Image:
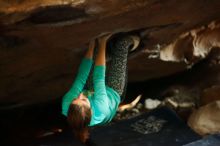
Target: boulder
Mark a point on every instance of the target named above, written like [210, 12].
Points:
[206, 120]
[42, 42]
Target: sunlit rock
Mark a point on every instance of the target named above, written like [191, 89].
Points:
[206, 120]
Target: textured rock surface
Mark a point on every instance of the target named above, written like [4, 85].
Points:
[206, 120]
[42, 42]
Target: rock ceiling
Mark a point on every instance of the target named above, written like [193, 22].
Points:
[43, 41]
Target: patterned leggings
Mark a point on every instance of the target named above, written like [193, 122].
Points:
[116, 70]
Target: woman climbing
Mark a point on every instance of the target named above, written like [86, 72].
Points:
[97, 106]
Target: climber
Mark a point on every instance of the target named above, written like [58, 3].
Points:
[97, 106]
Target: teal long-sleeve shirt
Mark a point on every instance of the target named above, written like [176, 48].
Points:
[104, 100]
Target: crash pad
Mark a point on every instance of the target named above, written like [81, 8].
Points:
[211, 140]
[142, 130]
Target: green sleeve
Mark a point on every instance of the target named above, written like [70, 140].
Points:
[77, 85]
[105, 100]
[99, 83]
[100, 100]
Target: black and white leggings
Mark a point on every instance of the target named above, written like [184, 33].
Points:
[116, 70]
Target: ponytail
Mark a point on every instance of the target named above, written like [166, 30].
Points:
[79, 117]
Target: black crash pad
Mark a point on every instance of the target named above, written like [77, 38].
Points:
[211, 140]
[174, 132]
